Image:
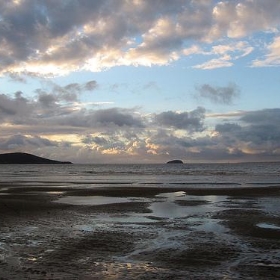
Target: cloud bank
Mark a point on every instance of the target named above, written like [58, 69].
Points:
[57, 37]
[49, 125]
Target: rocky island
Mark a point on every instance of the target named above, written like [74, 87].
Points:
[25, 158]
[176, 161]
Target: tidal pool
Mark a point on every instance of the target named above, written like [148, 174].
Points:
[268, 226]
[91, 200]
[170, 207]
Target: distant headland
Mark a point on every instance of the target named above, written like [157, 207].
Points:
[25, 158]
[175, 161]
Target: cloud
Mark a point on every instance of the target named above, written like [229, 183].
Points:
[50, 38]
[227, 127]
[226, 55]
[272, 58]
[191, 121]
[51, 102]
[23, 142]
[99, 140]
[116, 116]
[55, 125]
[91, 85]
[17, 108]
[219, 95]
[257, 134]
[265, 117]
[240, 18]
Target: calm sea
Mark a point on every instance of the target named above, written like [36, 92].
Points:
[154, 175]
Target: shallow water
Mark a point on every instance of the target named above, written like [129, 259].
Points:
[159, 175]
[169, 235]
[91, 200]
[268, 226]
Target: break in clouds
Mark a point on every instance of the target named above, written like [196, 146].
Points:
[41, 38]
[55, 123]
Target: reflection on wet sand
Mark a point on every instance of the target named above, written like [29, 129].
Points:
[158, 234]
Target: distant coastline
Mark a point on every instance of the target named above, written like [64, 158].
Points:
[25, 158]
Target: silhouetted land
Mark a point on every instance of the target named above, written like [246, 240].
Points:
[176, 161]
[25, 158]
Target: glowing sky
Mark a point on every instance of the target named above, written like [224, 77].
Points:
[120, 81]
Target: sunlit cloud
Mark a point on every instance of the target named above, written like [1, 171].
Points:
[272, 58]
[66, 37]
[226, 55]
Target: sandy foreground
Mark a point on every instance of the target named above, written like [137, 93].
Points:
[139, 233]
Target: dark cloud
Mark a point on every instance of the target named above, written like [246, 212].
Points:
[227, 127]
[266, 116]
[19, 141]
[220, 95]
[191, 121]
[51, 101]
[118, 117]
[261, 126]
[258, 133]
[47, 100]
[169, 141]
[50, 113]
[16, 108]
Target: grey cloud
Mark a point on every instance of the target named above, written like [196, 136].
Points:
[266, 116]
[258, 131]
[15, 107]
[260, 134]
[88, 139]
[47, 100]
[16, 77]
[170, 140]
[227, 127]
[53, 93]
[91, 85]
[20, 141]
[221, 95]
[104, 119]
[70, 92]
[119, 117]
[191, 121]
[7, 106]
[261, 126]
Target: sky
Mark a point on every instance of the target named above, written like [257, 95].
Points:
[140, 81]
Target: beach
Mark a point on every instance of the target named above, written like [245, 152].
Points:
[151, 234]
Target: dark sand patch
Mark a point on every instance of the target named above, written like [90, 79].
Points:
[114, 208]
[245, 222]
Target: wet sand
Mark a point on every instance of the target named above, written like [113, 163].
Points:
[139, 233]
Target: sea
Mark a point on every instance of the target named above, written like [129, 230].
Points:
[204, 175]
[169, 235]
